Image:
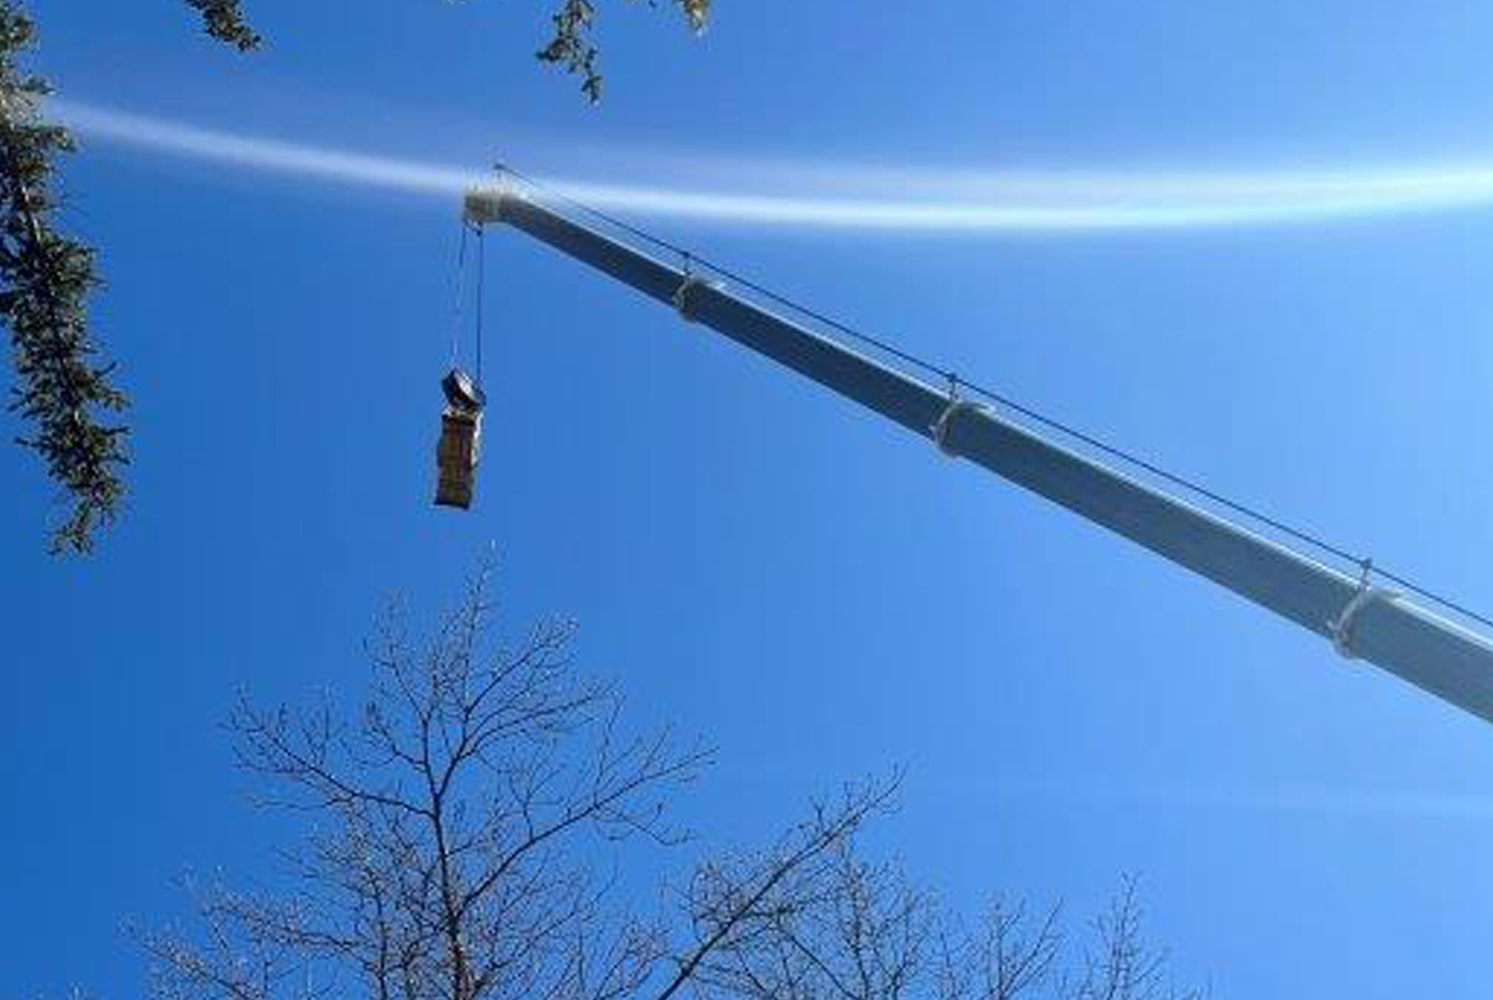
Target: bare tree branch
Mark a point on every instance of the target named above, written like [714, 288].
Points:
[739, 908]
[1125, 966]
[467, 805]
[1006, 957]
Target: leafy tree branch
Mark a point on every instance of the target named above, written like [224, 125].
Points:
[571, 46]
[224, 20]
[62, 389]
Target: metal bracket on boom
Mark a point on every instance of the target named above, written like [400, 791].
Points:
[940, 428]
[681, 294]
[1342, 626]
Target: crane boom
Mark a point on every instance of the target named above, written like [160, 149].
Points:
[1363, 621]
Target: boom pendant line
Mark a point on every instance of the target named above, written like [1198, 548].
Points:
[1361, 620]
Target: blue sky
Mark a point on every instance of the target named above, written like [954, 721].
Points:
[814, 591]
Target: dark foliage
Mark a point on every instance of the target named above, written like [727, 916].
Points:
[224, 20]
[571, 46]
[62, 389]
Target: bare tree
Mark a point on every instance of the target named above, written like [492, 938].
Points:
[1125, 967]
[455, 845]
[851, 930]
[458, 828]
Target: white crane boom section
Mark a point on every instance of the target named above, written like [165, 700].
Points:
[1364, 622]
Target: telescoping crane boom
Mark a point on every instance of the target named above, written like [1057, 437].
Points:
[1362, 620]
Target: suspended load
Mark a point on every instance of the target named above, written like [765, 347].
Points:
[461, 439]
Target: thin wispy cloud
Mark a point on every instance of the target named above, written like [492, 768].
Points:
[1324, 801]
[907, 199]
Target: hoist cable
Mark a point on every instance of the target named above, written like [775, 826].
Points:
[481, 294]
[689, 259]
[461, 272]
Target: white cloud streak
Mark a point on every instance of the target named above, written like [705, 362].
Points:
[1327, 801]
[900, 200]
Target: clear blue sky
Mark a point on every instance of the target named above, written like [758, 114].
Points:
[809, 588]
